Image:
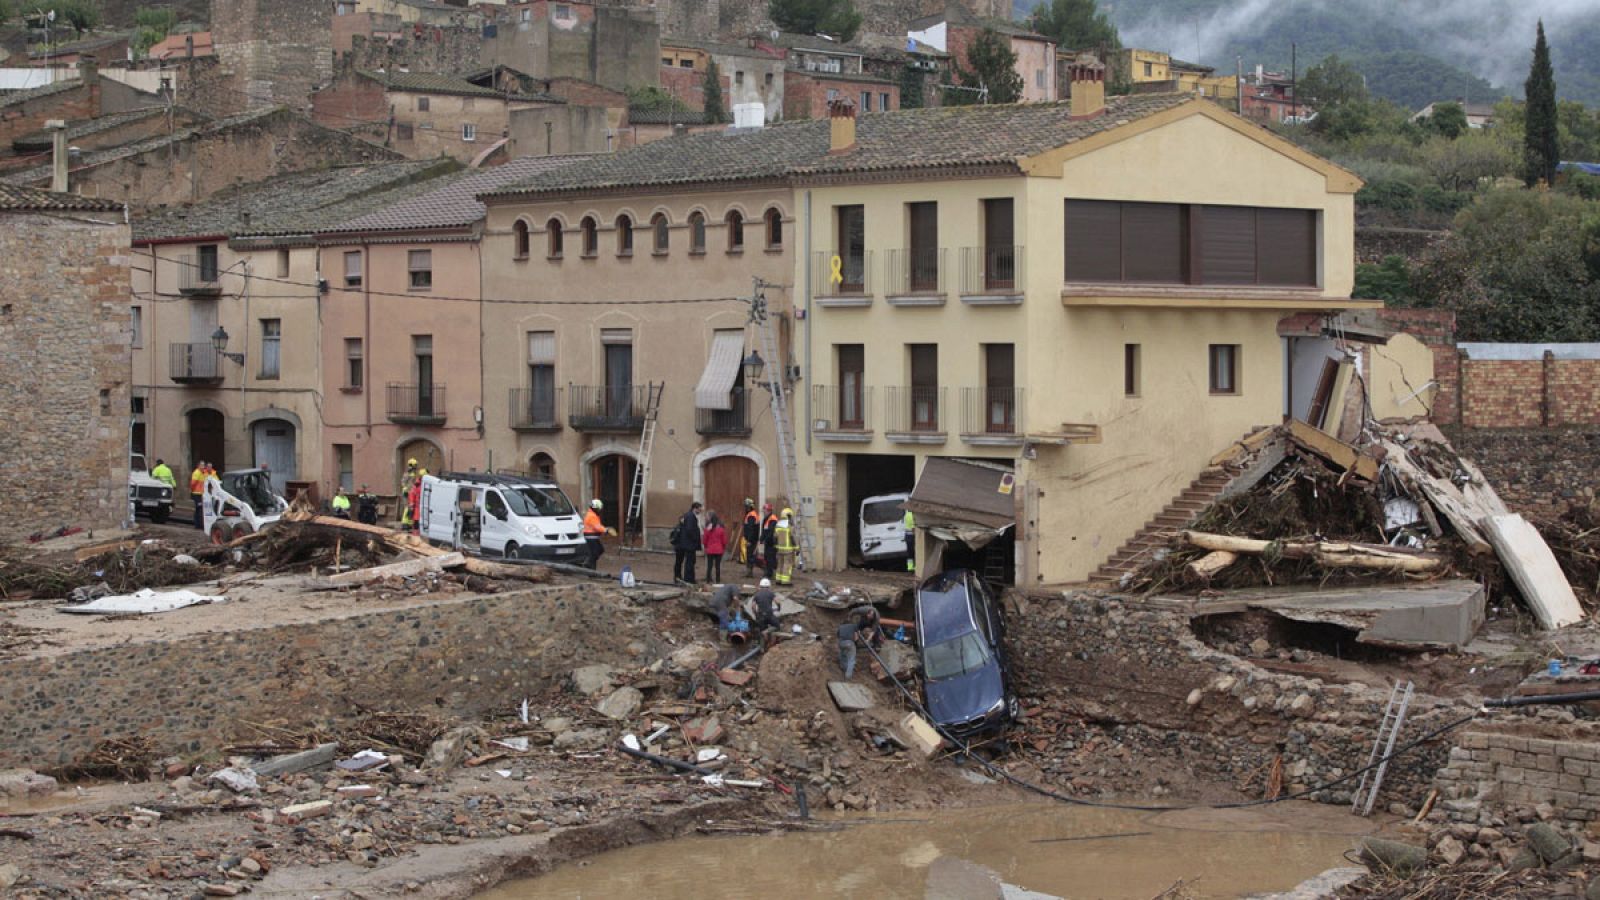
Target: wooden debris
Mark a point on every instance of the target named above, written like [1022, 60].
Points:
[1206, 566]
[1333, 450]
[519, 572]
[1333, 554]
[403, 568]
[93, 550]
[1534, 569]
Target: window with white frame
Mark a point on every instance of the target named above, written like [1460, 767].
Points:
[469, 131]
[419, 264]
[271, 340]
[352, 268]
[136, 325]
[355, 374]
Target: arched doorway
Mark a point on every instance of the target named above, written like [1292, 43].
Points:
[542, 465]
[611, 477]
[205, 438]
[729, 481]
[425, 452]
[275, 451]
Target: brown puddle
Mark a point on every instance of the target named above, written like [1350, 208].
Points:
[987, 852]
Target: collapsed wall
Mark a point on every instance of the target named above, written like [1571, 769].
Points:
[456, 656]
[1497, 768]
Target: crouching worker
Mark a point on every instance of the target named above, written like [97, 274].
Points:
[722, 601]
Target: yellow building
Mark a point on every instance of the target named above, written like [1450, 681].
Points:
[1087, 296]
[1140, 66]
[1154, 70]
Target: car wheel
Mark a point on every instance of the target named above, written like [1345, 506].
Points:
[221, 533]
[159, 516]
[1013, 708]
[511, 550]
[242, 529]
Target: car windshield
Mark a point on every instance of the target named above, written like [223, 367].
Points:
[957, 656]
[884, 512]
[537, 501]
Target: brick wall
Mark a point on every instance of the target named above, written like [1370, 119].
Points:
[585, 93]
[81, 102]
[1437, 329]
[1504, 769]
[689, 86]
[1526, 393]
[459, 656]
[806, 97]
[64, 336]
[428, 49]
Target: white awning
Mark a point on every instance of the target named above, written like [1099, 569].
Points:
[715, 390]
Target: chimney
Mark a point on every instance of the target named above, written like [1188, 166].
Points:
[58, 154]
[842, 117]
[1088, 77]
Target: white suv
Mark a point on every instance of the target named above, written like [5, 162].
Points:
[147, 495]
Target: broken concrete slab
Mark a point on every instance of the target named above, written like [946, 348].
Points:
[851, 697]
[919, 735]
[592, 680]
[320, 755]
[1434, 614]
[302, 811]
[703, 730]
[239, 781]
[621, 703]
[1533, 567]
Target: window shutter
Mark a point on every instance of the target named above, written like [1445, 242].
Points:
[1228, 244]
[1287, 246]
[541, 348]
[1153, 235]
[1093, 241]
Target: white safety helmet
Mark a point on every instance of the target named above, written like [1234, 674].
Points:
[766, 582]
[596, 504]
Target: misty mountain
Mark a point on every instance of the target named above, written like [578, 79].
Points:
[1412, 51]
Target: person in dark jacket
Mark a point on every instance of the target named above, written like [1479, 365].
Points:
[766, 607]
[751, 537]
[769, 542]
[686, 545]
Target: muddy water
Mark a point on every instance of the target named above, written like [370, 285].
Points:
[1010, 851]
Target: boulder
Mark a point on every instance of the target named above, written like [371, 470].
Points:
[25, 783]
[621, 704]
[1383, 855]
[453, 747]
[592, 680]
[693, 656]
[1450, 850]
[1548, 842]
[582, 739]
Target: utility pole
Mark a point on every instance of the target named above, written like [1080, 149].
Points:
[1238, 85]
[1294, 83]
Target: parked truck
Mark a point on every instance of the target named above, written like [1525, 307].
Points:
[500, 515]
[239, 503]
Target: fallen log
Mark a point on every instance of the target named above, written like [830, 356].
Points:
[1333, 554]
[400, 540]
[1206, 567]
[489, 569]
[400, 569]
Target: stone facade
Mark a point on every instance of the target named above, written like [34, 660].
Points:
[65, 339]
[277, 51]
[445, 49]
[1498, 769]
[460, 656]
[613, 46]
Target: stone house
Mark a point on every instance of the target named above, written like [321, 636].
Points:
[402, 348]
[65, 334]
[421, 115]
[88, 96]
[954, 29]
[749, 73]
[610, 45]
[818, 71]
[243, 271]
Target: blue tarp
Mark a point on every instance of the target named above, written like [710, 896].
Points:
[1587, 168]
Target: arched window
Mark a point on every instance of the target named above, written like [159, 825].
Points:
[520, 231]
[659, 234]
[542, 465]
[774, 229]
[735, 231]
[697, 232]
[553, 230]
[591, 236]
[624, 236]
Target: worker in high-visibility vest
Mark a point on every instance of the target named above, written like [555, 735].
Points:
[593, 531]
[784, 532]
[909, 523]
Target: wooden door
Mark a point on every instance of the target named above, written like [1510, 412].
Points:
[728, 481]
[205, 438]
[1329, 377]
[999, 254]
[924, 261]
[612, 479]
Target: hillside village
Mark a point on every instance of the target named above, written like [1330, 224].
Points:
[369, 361]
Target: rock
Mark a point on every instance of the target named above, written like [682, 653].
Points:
[1571, 860]
[240, 781]
[592, 680]
[1392, 856]
[1592, 892]
[1301, 706]
[1465, 831]
[1194, 697]
[1591, 851]
[1545, 812]
[693, 656]
[221, 890]
[25, 783]
[1524, 859]
[1549, 843]
[184, 559]
[1225, 684]
[582, 739]
[1490, 836]
[453, 747]
[302, 811]
[250, 866]
[556, 725]
[9, 875]
[1260, 647]
[621, 704]
[1450, 850]
[362, 840]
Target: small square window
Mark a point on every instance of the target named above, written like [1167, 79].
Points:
[469, 131]
[419, 263]
[404, 132]
[422, 104]
[769, 79]
[738, 77]
[563, 11]
[1224, 365]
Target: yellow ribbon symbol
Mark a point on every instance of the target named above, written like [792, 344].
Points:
[837, 275]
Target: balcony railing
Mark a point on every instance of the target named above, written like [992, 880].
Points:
[991, 271]
[991, 412]
[536, 410]
[916, 409]
[735, 421]
[853, 278]
[607, 407]
[416, 404]
[194, 363]
[916, 271]
[198, 275]
[841, 410]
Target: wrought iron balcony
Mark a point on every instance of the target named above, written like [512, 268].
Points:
[416, 404]
[536, 410]
[197, 363]
[992, 274]
[725, 422]
[606, 407]
[915, 410]
[852, 280]
[841, 412]
[991, 414]
[917, 271]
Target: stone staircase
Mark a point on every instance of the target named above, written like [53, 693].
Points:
[1159, 531]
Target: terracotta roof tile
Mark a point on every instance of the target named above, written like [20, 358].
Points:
[25, 199]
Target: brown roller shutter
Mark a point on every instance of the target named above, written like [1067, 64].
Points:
[1153, 242]
[1286, 247]
[1093, 241]
[1228, 244]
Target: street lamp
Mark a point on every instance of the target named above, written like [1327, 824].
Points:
[754, 365]
[219, 343]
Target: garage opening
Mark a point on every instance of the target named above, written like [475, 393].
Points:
[872, 475]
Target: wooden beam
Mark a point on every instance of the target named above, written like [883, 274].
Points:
[1333, 450]
[1333, 554]
[404, 568]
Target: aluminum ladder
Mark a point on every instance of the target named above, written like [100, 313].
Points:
[1394, 719]
[641, 472]
[781, 424]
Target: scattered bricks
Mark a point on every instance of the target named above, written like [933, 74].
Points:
[299, 812]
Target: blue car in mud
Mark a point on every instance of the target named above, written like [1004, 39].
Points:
[960, 635]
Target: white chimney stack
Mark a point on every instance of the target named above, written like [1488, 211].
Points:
[58, 154]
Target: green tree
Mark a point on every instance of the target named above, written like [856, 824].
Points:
[653, 99]
[5, 11]
[1448, 119]
[152, 26]
[1580, 131]
[1332, 82]
[838, 19]
[990, 74]
[1541, 133]
[716, 111]
[1075, 25]
[80, 15]
[911, 88]
[1389, 280]
[1461, 164]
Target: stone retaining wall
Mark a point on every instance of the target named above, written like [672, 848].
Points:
[1500, 771]
[462, 657]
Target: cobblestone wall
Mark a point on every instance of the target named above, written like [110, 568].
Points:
[1499, 771]
[1535, 470]
[66, 356]
[458, 657]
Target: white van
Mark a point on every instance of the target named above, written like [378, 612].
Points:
[501, 515]
[883, 534]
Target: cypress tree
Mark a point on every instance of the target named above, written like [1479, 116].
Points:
[1539, 150]
[715, 112]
